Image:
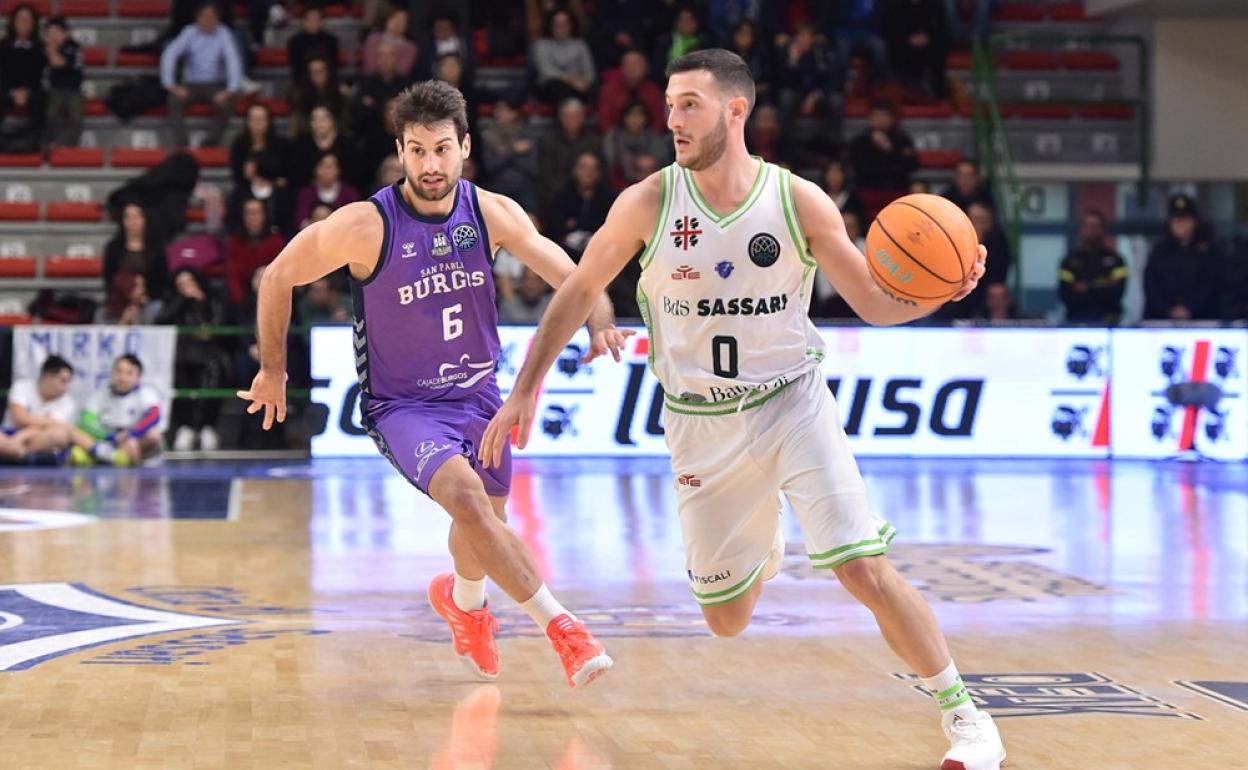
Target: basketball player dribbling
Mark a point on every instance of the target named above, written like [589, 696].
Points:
[729, 244]
[420, 256]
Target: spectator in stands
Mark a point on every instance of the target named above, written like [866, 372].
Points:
[260, 183]
[1093, 276]
[626, 84]
[528, 302]
[22, 61]
[1180, 281]
[968, 186]
[374, 91]
[444, 40]
[917, 34]
[510, 154]
[826, 302]
[120, 422]
[41, 413]
[684, 36]
[374, 143]
[998, 304]
[997, 266]
[212, 72]
[200, 361]
[581, 207]
[450, 70]
[559, 149]
[327, 187]
[756, 53]
[133, 250]
[837, 185]
[883, 155]
[389, 172]
[394, 31]
[320, 87]
[631, 140]
[323, 303]
[809, 76]
[323, 135]
[508, 267]
[259, 137]
[312, 41]
[919, 187]
[253, 245]
[617, 27]
[1235, 290]
[764, 135]
[64, 83]
[127, 302]
[562, 61]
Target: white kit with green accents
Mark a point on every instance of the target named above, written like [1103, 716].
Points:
[725, 296]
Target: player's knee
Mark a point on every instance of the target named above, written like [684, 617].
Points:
[728, 620]
[864, 578]
[468, 507]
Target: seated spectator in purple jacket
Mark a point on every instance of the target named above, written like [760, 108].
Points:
[327, 187]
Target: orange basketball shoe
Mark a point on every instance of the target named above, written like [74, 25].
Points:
[584, 659]
[472, 632]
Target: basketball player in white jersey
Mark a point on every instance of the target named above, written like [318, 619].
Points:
[729, 244]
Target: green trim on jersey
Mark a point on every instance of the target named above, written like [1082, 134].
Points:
[873, 547]
[731, 406]
[790, 218]
[729, 594]
[764, 170]
[665, 201]
[643, 306]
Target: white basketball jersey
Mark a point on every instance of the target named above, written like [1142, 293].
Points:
[725, 296]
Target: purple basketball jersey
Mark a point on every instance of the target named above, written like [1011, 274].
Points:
[426, 326]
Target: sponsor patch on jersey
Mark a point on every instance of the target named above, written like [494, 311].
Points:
[693, 398]
[464, 236]
[441, 246]
[724, 269]
[409, 250]
[764, 249]
[743, 305]
[685, 273]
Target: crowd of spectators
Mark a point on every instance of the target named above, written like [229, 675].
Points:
[589, 121]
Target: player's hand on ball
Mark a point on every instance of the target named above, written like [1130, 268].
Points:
[517, 410]
[608, 339]
[972, 278]
[268, 392]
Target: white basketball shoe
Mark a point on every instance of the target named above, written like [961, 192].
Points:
[974, 744]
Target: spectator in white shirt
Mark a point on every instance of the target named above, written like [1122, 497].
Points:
[41, 413]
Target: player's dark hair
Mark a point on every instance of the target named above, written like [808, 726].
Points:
[428, 103]
[53, 365]
[730, 71]
[131, 359]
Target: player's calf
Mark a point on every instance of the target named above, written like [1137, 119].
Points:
[732, 618]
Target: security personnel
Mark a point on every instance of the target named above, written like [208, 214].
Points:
[1093, 276]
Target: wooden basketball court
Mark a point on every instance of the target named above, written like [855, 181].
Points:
[273, 616]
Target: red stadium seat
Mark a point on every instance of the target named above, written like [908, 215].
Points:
[211, 157]
[94, 108]
[939, 158]
[74, 211]
[129, 157]
[1038, 111]
[148, 9]
[79, 8]
[72, 267]
[15, 319]
[279, 106]
[17, 267]
[1107, 112]
[272, 57]
[76, 157]
[875, 198]
[857, 108]
[1069, 13]
[95, 56]
[958, 59]
[42, 7]
[21, 160]
[1090, 61]
[938, 111]
[195, 214]
[1029, 60]
[19, 212]
[1018, 12]
[129, 59]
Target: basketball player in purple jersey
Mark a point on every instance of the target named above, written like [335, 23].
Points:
[420, 257]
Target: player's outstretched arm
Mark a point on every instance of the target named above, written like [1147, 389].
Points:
[628, 225]
[511, 228]
[846, 266]
[350, 236]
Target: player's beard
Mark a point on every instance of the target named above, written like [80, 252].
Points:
[712, 147]
[420, 191]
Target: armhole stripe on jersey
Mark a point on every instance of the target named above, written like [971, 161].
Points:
[790, 218]
[385, 247]
[485, 231]
[665, 200]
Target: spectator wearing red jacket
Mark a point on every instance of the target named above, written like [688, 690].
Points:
[629, 83]
[254, 244]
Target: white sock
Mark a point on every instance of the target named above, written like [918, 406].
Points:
[950, 694]
[543, 607]
[468, 594]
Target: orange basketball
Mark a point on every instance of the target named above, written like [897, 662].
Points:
[920, 249]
